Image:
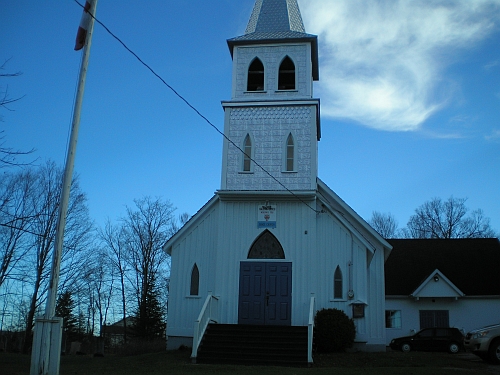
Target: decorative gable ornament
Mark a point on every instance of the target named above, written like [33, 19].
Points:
[437, 285]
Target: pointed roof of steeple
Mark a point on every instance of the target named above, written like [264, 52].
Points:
[277, 21]
[281, 17]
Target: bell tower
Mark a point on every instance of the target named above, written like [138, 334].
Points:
[272, 119]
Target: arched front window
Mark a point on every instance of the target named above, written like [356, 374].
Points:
[286, 79]
[337, 284]
[266, 246]
[247, 156]
[290, 153]
[195, 281]
[255, 80]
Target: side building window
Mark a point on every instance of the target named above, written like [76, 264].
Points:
[195, 281]
[290, 153]
[338, 284]
[393, 319]
[286, 79]
[247, 156]
[255, 79]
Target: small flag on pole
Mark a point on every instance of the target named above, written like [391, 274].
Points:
[81, 36]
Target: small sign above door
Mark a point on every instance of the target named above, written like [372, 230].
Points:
[266, 216]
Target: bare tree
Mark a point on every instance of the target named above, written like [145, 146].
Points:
[8, 155]
[5, 99]
[114, 241]
[448, 219]
[15, 217]
[385, 224]
[147, 228]
[100, 283]
[45, 202]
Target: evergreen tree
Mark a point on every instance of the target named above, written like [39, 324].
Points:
[149, 321]
[64, 309]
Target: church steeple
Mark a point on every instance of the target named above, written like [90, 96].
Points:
[275, 16]
[277, 20]
[272, 116]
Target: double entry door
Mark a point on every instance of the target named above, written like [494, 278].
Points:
[265, 293]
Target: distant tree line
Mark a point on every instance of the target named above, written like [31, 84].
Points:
[118, 271]
[437, 219]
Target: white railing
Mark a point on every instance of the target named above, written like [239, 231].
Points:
[310, 331]
[209, 313]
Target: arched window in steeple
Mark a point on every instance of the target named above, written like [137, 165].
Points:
[247, 156]
[338, 284]
[195, 281]
[290, 153]
[286, 79]
[255, 80]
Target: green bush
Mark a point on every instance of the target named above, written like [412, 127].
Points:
[333, 331]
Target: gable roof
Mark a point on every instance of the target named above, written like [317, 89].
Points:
[437, 285]
[345, 214]
[277, 21]
[471, 264]
[187, 225]
[329, 200]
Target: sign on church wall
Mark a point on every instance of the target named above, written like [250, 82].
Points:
[266, 216]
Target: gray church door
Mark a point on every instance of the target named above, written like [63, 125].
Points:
[265, 293]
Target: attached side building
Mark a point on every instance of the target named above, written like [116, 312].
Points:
[442, 283]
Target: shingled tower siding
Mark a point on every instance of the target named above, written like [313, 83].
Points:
[269, 115]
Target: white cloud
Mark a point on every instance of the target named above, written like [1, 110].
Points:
[382, 60]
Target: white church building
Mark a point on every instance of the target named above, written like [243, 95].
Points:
[274, 244]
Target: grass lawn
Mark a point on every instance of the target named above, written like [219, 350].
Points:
[178, 362]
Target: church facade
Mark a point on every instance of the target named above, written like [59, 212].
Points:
[275, 240]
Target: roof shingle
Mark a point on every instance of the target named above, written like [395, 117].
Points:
[472, 264]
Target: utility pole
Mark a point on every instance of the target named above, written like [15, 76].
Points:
[46, 352]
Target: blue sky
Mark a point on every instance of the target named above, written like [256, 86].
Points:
[410, 98]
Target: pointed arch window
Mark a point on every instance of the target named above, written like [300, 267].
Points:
[266, 246]
[338, 284]
[247, 156]
[286, 79]
[195, 281]
[290, 153]
[255, 79]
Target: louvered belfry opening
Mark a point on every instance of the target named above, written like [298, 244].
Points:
[286, 80]
[255, 76]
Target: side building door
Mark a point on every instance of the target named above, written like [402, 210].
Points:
[265, 293]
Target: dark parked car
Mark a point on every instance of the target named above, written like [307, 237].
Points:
[431, 339]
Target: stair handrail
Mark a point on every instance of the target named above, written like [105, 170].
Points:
[310, 330]
[209, 313]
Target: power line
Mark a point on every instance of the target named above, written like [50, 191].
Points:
[194, 108]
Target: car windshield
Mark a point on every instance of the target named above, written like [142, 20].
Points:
[425, 333]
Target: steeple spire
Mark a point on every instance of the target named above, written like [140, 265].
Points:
[275, 16]
[277, 21]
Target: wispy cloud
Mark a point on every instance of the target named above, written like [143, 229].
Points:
[494, 136]
[382, 60]
[491, 65]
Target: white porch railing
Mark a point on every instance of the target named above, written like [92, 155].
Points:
[310, 330]
[209, 313]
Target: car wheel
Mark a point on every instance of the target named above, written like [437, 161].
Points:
[454, 348]
[405, 347]
[494, 352]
